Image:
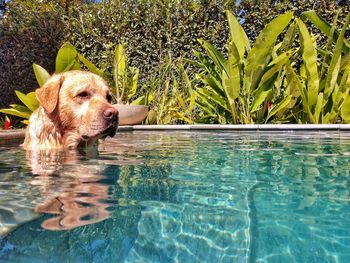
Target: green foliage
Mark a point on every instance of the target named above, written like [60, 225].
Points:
[236, 89]
[272, 81]
[41, 74]
[125, 78]
[69, 59]
[170, 95]
[255, 14]
[29, 32]
[30, 102]
[323, 80]
[152, 30]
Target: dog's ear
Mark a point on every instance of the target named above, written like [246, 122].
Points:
[47, 95]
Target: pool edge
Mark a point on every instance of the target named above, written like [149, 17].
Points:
[16, 135]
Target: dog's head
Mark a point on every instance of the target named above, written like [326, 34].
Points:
[79, 103]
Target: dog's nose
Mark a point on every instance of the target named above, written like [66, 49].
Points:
[110, 113]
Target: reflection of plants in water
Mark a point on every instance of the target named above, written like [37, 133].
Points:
[306, 165]
[151, 182]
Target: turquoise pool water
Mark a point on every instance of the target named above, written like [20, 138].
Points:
[180, 197]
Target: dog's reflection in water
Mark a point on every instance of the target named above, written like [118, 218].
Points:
[70, 188]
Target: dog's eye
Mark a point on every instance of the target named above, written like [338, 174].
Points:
[83, 95]
[109, 98]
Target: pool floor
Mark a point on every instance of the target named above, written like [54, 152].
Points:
[180, 196]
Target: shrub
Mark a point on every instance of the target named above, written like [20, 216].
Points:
[239, 88]
[152, 30]
[255, 14]
[309, 84]
[30, 32]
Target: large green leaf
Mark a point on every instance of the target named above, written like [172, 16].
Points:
[213, 83]
[276, 65]
[231, 76]
[237, 35]
[29, 100]
[260, 54]
[20, 108]
[139, 101]
[295, 83]
[334, 66]
[262, 93]
[214, 54]
[214, 97]
[66, 58]
[133, 82]
[41, 74]
[289, 37]
[310, 60]
[204, 103]
[343, 90]
[120, 60]
[207, 66]
[318, 108]
[91, 66]
[17, 113]
[345, 61]
[119, 71]
[325, 27]
[345, 110]
[279, 106]
[33, 100]
[328, 48]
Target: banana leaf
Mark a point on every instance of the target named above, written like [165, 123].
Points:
[325, 27]
[259, 55]
[237, 35]
[309, 55]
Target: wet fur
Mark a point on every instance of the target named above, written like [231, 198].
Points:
[65, 119]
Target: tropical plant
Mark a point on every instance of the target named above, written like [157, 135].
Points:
[125, 77]
[67, 59]
[240, 89]
[170, 95]
[255, 14]
[29, 100]
[322, 79]
[21, 111]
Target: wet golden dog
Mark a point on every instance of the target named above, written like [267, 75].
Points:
[74, 110]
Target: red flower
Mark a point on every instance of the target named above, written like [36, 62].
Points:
[268, 105]
[8, 123]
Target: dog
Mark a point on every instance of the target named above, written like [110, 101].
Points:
[75, 110]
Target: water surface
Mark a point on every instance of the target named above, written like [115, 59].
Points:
[180, 197]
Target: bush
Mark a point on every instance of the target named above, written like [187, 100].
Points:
[30, 32]
[256, 14]
[152, 30]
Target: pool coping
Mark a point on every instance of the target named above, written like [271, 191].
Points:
[241, 127]
[12, 135]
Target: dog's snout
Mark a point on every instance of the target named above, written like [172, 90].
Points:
[110, 113]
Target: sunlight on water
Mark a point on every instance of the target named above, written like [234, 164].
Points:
[180, 197]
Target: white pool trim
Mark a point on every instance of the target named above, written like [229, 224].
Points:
[19, 134]
[244, 127]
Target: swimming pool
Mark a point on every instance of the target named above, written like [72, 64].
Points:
[177, 196]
